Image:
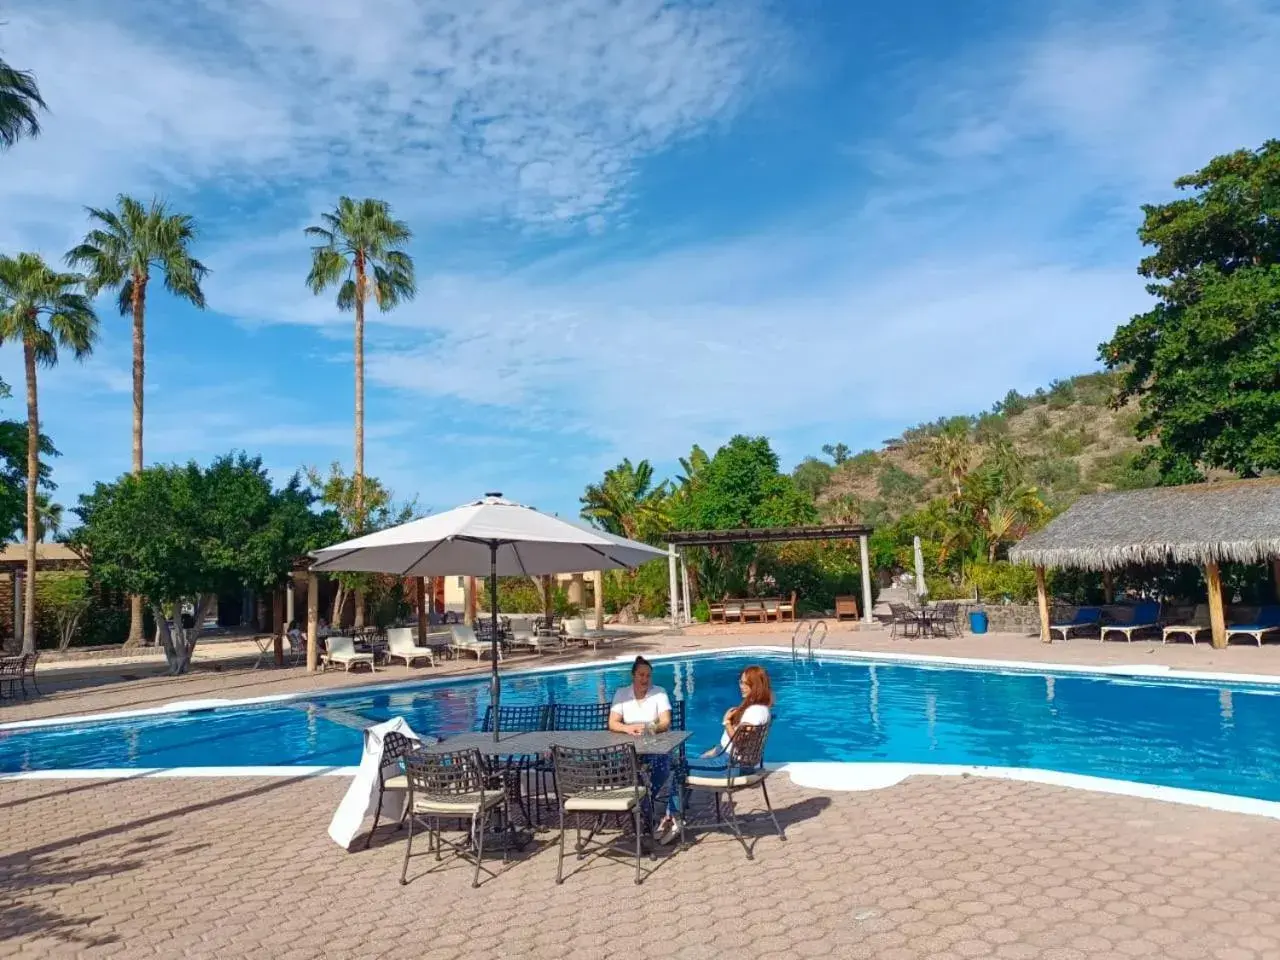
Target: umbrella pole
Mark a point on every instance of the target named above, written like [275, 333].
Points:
[494, 685]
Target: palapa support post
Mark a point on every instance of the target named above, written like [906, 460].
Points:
[675, 590]
[277, 624]
[313, 622]
[1042, 600]
[1275, 577]
[1217, 615]
[1108, 587]
[864, 556]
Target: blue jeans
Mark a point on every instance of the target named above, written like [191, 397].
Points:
[659, 774]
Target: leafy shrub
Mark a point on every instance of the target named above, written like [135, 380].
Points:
[1065, 443]
[863, 464]
[67, 600]
[1126, 470]
[1056, 474]
[1002, 581]
[990, 426]
[702, 611]
[1013, 404]
[1062, 393]
[897, 485]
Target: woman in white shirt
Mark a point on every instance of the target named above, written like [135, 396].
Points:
[642, 708]
[755, 709]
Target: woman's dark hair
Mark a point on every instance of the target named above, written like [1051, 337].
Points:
[640, 662]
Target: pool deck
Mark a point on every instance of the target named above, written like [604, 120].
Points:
[935, 868]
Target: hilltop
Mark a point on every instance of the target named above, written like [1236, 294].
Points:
[1070, 438]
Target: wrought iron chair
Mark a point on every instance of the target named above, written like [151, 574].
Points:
[597, 781]
[942, 619]
[395, 747]
[903, 620]
[11, 675]
[516, 771]
[580, 716]
[29, 661]
[743, 769]
[452, 786]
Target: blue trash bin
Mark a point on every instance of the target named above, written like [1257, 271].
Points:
[977, 621]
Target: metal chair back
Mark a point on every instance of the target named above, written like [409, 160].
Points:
[677, 715]
[583, 771]
[518, 718]
[580, 716]
[446, 776]
[747, 746]
[396, 746]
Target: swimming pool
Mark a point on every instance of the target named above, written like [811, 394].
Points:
[1205, 736]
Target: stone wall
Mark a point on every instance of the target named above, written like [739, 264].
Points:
[1013, 618]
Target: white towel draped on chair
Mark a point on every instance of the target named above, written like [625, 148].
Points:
[362, 796]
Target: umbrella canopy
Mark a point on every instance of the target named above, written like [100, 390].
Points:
[492, 538]
[922, 588]
[470, 540]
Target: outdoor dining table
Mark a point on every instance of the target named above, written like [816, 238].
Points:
[539, 743]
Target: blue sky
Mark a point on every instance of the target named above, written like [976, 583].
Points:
[640, 224]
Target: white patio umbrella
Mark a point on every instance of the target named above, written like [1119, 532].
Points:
[491, 537]
[922, 588]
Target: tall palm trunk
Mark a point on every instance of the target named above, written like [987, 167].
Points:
[33, 478]
[359, 466]
[139, 379]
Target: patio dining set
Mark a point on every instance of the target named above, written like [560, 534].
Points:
[558, 766]
[939, 620]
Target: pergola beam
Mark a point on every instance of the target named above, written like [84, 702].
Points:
[712, 538]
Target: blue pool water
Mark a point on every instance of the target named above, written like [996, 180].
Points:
[1222, 738]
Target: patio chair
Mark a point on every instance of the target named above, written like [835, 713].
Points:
[733, 611]
[846, 607]
[903, 620]
[580, 716]
[465, 641]
[297, 646]
[1086, 620]
[1143, 618]
[715, 613]
[29, 661]
[597, 781]
[1193, 627]
[787, 607]
[395, 747]
[523, 718]
[526, 638]
[752, 611]
[341, 652]
[1266, 622]
[744, 770]
[10, 676]
[453, 786]
[400, 646]
[942, 619]
[772, 608]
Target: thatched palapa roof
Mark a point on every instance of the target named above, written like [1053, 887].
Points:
[1203, 522]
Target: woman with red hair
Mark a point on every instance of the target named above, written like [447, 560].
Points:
[754, 710]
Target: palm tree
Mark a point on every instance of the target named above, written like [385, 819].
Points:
[121, 252]
[19, 101]
[360, 253]
[626, 503]
[43, 310]
[48, 517]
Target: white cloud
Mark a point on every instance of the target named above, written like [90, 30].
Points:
[515, 107]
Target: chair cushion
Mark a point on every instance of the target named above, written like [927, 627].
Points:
[400, 782]
[467, 804]
[605, 801]
[718, 782]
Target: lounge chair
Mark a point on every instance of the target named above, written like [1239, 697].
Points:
[528, 639]
[1267, 621]
[1143, 617]
[733, 611]
[400, 646]
[787, 608]
[1086, 619]
[1194, 626]
[575, 631]
[341, 652]
[465, 641]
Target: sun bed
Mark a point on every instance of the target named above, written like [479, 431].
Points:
[1143, 617]
[1267, 621]
[575, 631]
[400, 646]
[1087, 619]
[341, 652]
[465, 641]
[1194, 627]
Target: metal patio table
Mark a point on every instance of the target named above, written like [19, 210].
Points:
[539, 743]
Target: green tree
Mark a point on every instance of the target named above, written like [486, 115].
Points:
[838, 452]
[180, 535]
[378, 509]
[627, 503]
[125, 248]
[360, 252]
[19, 102]
[43, 310]
[1203, 361]
[13, 473]
[812, 476]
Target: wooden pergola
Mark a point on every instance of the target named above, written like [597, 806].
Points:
[1206, 524]
[715, 538]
